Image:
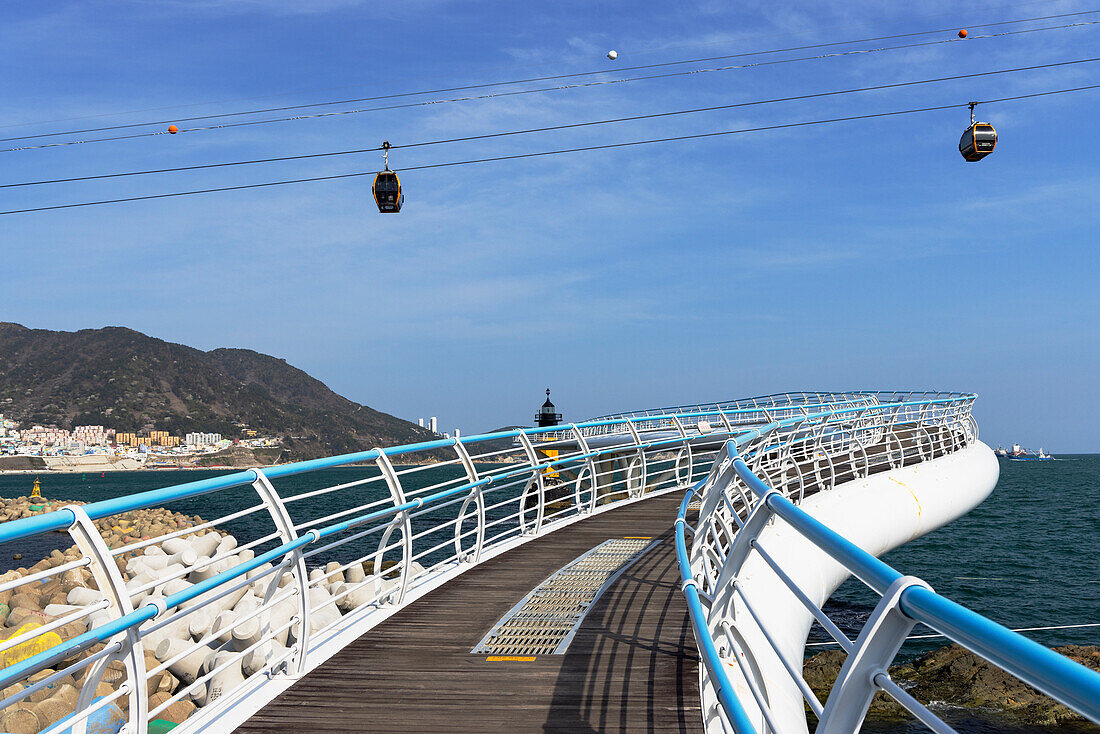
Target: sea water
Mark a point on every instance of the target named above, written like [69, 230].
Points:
[1028, 556]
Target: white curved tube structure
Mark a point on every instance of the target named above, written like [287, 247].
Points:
[878, 513]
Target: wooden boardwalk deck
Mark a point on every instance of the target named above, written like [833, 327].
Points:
[632, 665]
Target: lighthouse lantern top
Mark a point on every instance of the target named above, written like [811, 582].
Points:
[547, 414]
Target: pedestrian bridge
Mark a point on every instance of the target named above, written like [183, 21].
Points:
[355, 599]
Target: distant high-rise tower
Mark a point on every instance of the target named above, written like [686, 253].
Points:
[547, 415]
[433, 425]
[420, 422]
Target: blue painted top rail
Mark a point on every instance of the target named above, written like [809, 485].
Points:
[781, 400]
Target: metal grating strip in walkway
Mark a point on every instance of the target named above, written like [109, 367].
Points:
[544, 621]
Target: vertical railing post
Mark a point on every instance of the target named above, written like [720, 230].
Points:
[641, 462]
[862, 418]
[922, 431]
[110, 583]
[786, 454]
[826, 451]
[878, 642]
[284, 525]
[757, 520]
[685, 450]
[891, 436]
[397, 496]
[725, 420]
[582, 442]
[538, 485]
[477, 498]
[972, 427]
[710, 525]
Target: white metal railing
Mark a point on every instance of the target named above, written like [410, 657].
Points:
[757, 480]
[747, 412]
[199, 621]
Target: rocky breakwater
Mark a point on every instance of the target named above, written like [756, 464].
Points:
[952, 677]
[228, 637]
[29, 606]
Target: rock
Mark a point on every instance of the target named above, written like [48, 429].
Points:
[178, 712]
[955, 675]
[50, 690]
[25, 600]
[7, 593]
[21, 719]
[52, 710]
[69, 694]
[157, 698]
[958, 677]
[114, 673]
[163, 681]
[820, 673]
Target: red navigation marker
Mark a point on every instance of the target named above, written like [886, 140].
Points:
[962, 33]
[173, 129]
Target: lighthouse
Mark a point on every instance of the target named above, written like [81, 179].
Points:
[547, 415]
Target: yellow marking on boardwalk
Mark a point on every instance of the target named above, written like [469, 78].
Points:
[637, 537]
[510, 659]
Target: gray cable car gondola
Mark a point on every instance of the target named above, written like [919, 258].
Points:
[387, 186]
[978, 140]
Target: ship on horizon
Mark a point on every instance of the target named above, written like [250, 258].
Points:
[1017, 453]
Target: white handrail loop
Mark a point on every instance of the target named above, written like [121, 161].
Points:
[280, 516]
[109, 581]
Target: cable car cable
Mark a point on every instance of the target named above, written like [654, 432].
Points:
[633, 52]
[545, 78]
[540, 154]
[548, 128]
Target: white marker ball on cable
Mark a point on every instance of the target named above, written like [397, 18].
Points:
[612, 54]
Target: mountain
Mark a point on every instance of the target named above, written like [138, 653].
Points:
[123, 379]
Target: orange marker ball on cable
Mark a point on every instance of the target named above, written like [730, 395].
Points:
[962, 33]
[173, 129]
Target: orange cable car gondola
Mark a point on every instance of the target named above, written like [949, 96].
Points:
[978, 140]
[387, 186]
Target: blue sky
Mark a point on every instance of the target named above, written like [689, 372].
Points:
[861, 254]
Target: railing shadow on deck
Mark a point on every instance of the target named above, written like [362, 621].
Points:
[632, 664]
